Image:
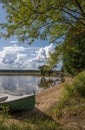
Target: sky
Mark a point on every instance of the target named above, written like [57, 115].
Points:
[15, 55]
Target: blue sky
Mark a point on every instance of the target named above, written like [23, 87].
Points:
[14, 55]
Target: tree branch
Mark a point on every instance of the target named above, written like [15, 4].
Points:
[80, 8]
[73, 10]
[74, 17]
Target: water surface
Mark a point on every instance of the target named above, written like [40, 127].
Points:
[26, 84]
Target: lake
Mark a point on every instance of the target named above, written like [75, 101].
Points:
[26, 84]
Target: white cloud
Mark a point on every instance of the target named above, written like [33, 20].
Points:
[43, 53]
[17, 57]
[13, 41]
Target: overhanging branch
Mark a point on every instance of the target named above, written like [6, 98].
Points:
[78, 19]
[80, 7]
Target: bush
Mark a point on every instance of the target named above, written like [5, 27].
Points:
[70, 91]
[77, 88]
[79, 84]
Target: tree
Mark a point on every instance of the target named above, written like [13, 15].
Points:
[44, 19]
[73, 52]
[42, 70]
[46, 70]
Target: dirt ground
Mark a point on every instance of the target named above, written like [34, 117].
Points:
[48, 98]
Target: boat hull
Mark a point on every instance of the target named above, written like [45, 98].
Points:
[22, 104]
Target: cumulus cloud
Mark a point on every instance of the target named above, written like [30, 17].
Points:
[18, 57]
[43, 53]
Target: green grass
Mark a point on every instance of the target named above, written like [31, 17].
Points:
[35, 124]
[72, 104]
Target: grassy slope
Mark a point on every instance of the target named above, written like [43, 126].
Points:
[70, 110]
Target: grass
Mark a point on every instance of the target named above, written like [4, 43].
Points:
[71, 107]
[33, 122]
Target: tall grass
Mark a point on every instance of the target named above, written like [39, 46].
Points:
[32, 123]
[40, 125]
[73, 100]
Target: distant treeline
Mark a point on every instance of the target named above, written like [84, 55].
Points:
[19, 71]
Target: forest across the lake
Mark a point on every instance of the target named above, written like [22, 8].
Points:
[19, 72]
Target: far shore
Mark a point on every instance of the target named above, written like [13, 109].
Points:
[30, 73]
[22, 73]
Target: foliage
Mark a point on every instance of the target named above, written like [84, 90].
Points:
[4, 111]
[56, 56]
[3, 115]
[73, 52]
[44, 19]
[78, 86]
[46, 69]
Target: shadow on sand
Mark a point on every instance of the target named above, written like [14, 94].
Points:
[35, 113]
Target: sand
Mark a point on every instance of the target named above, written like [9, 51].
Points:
[46, 99]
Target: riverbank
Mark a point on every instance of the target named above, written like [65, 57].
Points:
[44, 101]
[72, 116]
[48, 98]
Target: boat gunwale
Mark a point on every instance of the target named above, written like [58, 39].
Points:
[20, 97]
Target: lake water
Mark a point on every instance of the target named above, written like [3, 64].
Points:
[26, 84]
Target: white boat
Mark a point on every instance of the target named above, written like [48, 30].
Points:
[18, 102]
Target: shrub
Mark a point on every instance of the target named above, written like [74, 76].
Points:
[77, 88]
[79, 84]
[70, 91]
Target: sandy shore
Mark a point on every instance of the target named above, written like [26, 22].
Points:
[48, 98]
[45, 100]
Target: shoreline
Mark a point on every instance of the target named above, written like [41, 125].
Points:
[49, 97]
[16, 74]
[44, 101]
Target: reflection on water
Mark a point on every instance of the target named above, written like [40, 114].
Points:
[47, 82]
[26, 84]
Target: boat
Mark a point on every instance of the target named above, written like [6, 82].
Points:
[18, 102]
